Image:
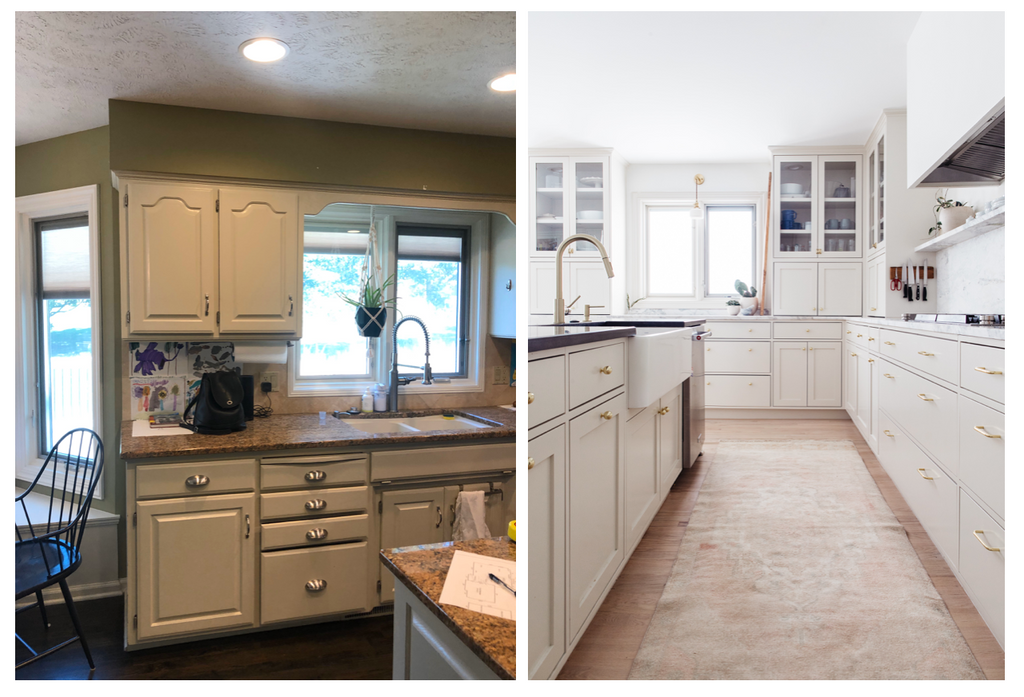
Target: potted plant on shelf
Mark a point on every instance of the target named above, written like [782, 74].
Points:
[949, 214]
[733, 306]
[748, 297]
[372, 305]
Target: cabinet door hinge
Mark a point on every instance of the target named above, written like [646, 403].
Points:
[380, 507]
[217, 206]
[135, 622]
[378, 586]
[126, 199]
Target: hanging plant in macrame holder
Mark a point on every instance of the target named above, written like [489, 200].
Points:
[371, 304]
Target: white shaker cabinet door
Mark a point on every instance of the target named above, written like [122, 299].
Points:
[542, 287]
[796, 289]
[172, 258]
[824, 374]
[590, 282]
[839, 289]
[790, 375]
[850, 356]
[547, 552]
[642, 475]
[260, 261]
[670, 438]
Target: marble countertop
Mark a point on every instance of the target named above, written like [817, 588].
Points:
[549, 336]
[967, 330]
[299, 431]
[423, 569]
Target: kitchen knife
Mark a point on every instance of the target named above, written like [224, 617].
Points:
[906, 281]
[916, 289]
[918, 282]
[910, 289]
[924, 291]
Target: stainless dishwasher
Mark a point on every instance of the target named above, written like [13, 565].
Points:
[693, 403]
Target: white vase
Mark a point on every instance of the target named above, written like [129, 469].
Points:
[733, 309]
[747, 302]
[952, 218]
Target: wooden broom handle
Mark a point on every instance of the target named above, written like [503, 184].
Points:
[767, 228]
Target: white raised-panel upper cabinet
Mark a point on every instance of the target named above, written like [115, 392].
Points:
[547, 551]
[412, 517]
[259, 261]
[172, 258]
[839, 289]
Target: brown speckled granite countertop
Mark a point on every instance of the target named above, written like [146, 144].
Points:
[294, 431]
[423, 569]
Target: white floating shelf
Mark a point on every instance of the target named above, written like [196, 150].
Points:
[993, 220]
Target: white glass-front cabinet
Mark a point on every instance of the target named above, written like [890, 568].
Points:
[876, 196]
[570, 196]
[817, 210]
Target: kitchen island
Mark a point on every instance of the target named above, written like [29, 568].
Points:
[440, 641]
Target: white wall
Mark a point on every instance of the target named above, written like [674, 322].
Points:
[955, 81]
[970, 277]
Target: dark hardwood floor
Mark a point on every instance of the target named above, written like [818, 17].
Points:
[357, 649]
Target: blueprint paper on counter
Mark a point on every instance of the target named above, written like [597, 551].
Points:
[468, 585]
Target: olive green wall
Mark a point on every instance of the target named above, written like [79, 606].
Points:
[67, 162]
[183, 140]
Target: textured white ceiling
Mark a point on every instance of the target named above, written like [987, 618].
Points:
[425, 70]
[713, 86]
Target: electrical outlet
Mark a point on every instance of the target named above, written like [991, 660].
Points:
[271, 377]
[496, 379]
[501, 376]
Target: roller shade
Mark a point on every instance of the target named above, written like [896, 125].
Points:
[430, 247]
[64, 258]
[318, 242]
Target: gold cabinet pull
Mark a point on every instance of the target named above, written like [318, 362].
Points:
[316, 585]
[924, 353]
[709, 383]
[607, 370]
[709, 348]
[315, 476]
[886, 432]
[981, 369]
[921, 471]
[848, 331]
[925, 399]
[750, 330]
[811, 349]
[852, 355]
[197, 480]
[873, 310]
[977, 536]
[871, 360]
[889, 343]
[859, 335]
[871, 338]
[808, 330]
[530, 462]
[316, 534]
[529, 398]
[982, 431]
[663, 411]
[891, 377]
[316, 505]
[607, 415]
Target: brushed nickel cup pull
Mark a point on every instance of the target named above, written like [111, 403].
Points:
[921, 471]
[925, 399]
[607, 370]
[982, 431]
[316, 585]
[529, 398]
[316, 505]
[315, 476]
[197, 480]
[316, 534]
[981, 369]
[607, 415]
[977, 536]
[530, 462]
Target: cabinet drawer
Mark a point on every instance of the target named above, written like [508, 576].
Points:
[738, 391]
[982, 569]
[874, 338]
[547, 390]
[341, 569]
[927, 412]
[809, 330]
[188, 479]
[926, 353]
[594, 372]
[315, 470]
[858, 336]
[292, 504]
[930, 493]
[738, 357]
[982, 457]
[319, 531]
[740, 330]
[982, 370]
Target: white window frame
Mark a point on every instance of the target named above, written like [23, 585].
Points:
[637, 247]
[387, 220]
[83, 200]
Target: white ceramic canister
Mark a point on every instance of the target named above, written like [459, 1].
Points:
[380, 397]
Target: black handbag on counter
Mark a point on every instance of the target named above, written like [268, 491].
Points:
[218, 406]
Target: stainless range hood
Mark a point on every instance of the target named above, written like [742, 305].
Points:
[981, 160]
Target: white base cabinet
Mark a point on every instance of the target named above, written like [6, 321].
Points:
[808, 374]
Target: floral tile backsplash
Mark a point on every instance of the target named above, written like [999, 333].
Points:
[165, 375]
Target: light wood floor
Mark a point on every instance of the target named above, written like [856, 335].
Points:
[610, 644]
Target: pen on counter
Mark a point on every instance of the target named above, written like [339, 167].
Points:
[498, 580]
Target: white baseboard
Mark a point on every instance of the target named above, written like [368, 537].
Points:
[85, 591]
[786, 413]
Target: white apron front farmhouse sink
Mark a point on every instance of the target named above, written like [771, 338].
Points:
[660, 358]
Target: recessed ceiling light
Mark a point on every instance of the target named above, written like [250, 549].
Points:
[505, 83]
[264, 50]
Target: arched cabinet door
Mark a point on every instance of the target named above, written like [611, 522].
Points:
[171, 240]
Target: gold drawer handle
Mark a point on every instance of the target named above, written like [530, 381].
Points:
[977, 536]
[315, 476]
[981, 430]
[197, 480]
[873, 310]
[316, 534]
[607, 370]
[859, 335]
[925, 399]
[981, 369]
[871, 360]
[871, 338]
[663, 411]
[886, 432]
[750, 349]
[852, 355]
[530, 462]
[889, 343]
[750, 330]
[316, 505]
[607, 415]
[921, 471]
[808, 330]
[848, 331]
[924, 353]
[891, 377]
[709, 383]
[709, 348]
[316, 585]
[529, 398]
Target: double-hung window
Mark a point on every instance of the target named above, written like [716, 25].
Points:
[691, 262]
[57, 326]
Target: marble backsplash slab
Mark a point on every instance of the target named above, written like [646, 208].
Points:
[971, 277]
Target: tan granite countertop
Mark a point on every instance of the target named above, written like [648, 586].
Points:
[296, 431]
[423, 569]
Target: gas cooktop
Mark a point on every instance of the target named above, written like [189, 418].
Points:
[947, 318]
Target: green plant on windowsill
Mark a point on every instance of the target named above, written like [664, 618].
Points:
[732, 302]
